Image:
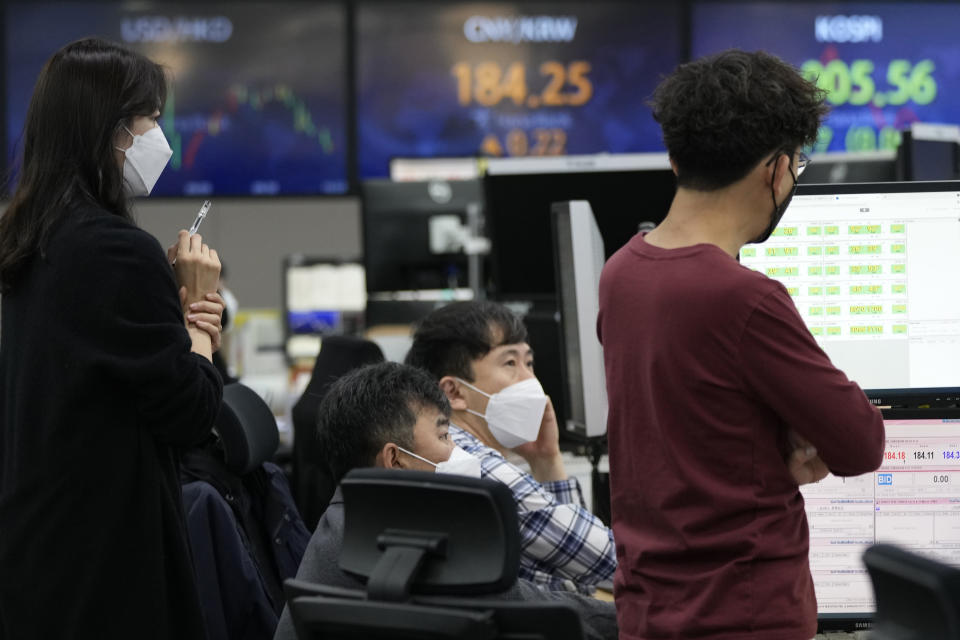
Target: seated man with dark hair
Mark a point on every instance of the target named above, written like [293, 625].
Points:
[395, 416]
[478, 352]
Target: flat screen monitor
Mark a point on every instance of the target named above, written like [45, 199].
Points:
[412, 234]
[256, 103]
[885, 65]
[934, 160]
[874, 272]
[850, 166]
[624, 192]
[930, 152]
[509, 78]
[321, 297]
[912, 500]
[580, 257]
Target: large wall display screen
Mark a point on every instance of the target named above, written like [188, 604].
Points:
[509, 79]
[885, 65]
[256, 105]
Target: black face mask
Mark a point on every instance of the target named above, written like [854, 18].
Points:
[778, 210]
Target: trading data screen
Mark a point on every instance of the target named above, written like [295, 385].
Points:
[509, 78]
[913, 500]
[315, 291]
[885, 65]
[875, 277]
[318, 298]
[256, 103]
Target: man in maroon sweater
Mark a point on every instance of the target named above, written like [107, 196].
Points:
[721, 402]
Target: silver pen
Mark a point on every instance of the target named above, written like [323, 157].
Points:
[200, 216]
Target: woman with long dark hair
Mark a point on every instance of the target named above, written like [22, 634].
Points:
[104, 364]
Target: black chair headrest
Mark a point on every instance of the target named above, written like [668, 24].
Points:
[468, 525]
[340, 355]
[247, 429]
[917, 598]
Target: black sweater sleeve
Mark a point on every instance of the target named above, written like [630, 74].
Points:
[136, 330]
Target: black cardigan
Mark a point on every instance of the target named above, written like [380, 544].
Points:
[100, 390]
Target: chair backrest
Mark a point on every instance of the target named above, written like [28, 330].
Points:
[412, 536]
[332, 618]
[917, 598]
[329, 613]
[246, 536]
[466, 527]
[247, 429]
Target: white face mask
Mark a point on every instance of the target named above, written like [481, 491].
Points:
[459, 463]
[514, 414]
[146, 158]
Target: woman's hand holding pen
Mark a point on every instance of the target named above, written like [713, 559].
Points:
[197, 268]
[196, 265]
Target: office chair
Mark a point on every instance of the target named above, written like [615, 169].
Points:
[429, 547]
[247, 429]
[245, 533]
[917, 598]
[312, 482]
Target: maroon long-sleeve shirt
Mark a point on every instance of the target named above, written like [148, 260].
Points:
[708, 367]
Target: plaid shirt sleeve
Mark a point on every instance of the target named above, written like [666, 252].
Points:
[566, 491]
[563, 545]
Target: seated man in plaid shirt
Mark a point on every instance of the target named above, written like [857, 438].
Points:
[478, 352]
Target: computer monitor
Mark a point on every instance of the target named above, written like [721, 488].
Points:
[624, 192]
[873, 270]
[580, 258]
[930, 152]
[320, 296]
[912, 500]
[851, 166]
[412, 234]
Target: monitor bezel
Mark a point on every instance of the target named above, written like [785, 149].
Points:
[908, 397]
[854, 188]
[844, 622]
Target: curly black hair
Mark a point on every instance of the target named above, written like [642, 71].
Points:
[723, 113]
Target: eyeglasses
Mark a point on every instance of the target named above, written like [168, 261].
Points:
[802, 161]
